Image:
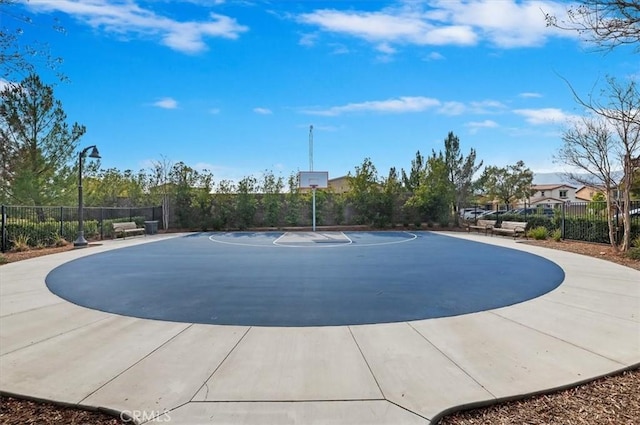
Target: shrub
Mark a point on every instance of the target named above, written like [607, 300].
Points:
[634, 253]
[539, 233]
[20, 243]
[3, 259]
[556, 235]
[59, 241]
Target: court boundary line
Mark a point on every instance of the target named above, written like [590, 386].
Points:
[275, 243]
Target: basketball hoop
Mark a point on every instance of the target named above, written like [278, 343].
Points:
[313, 180]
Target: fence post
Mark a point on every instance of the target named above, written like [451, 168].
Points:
[101, 223]
[62, 222]
[3, 237]
[562, 230]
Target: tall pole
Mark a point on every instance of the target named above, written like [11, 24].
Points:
[313, 190]
[80, 241]
[311, 148]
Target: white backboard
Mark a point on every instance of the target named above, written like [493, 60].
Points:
[310, 179]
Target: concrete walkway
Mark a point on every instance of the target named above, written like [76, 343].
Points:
[400, 373]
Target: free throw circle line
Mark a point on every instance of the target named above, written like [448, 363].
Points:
[324, 245]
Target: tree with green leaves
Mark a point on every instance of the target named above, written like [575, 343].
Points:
[246, 203]
[293, 200]
[159, 187]
[271, 198]
[389, 199]
[508, 184]
[202, 202]
[411, 181]
[597, 205]
[461, 170]
[184, 179]
[434, 196]
[108, 188]
[37, 145]
[364, 192]
[224, 205]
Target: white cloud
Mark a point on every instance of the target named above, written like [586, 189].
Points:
[486, 106]
[504, 23]
[339, 49]
[3, 84]
[434, 56]
[262, 111]
[380, 27]
[544, 116]
[483, 124]
[166, 103]
[385, 48]
[389, 106]
[127, 18]
[474, 126]
[452, 108]
[530, 95]
[308, 40]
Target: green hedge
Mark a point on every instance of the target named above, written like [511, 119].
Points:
[588, 230]
[47, 233]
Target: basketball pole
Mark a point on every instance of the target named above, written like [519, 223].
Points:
[313, 187]
[313, 191]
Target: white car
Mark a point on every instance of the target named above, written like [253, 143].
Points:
[632, 213]
[471, 213]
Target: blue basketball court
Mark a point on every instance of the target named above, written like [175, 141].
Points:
[304, 278]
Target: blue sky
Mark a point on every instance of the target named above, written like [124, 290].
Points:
[233, 86]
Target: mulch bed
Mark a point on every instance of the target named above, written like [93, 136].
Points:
[607, 401]
[613, 400]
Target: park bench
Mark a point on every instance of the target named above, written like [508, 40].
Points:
[514, 228]
[482, 225]
[126, 228]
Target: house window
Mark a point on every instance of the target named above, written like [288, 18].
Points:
[542, 193]
[563, 194]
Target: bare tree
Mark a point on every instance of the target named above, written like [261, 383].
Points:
[619, 115]
[606, 23]
[17, 57]
[589, 149]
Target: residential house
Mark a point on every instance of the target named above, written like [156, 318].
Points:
[339, 184]
[585, 193]
[551, 195]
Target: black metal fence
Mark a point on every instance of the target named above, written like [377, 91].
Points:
[580, 221]
[48, 226]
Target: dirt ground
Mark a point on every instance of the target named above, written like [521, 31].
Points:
[606, 401]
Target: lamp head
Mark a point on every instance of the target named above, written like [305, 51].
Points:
[94, 153]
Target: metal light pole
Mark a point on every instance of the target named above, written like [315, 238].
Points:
[80, 241]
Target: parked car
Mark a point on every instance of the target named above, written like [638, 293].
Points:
[471, 213]
[491, 215]
[634, 214]
[533, 211]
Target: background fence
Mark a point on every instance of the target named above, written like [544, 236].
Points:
[580, 221]
[48, 226]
